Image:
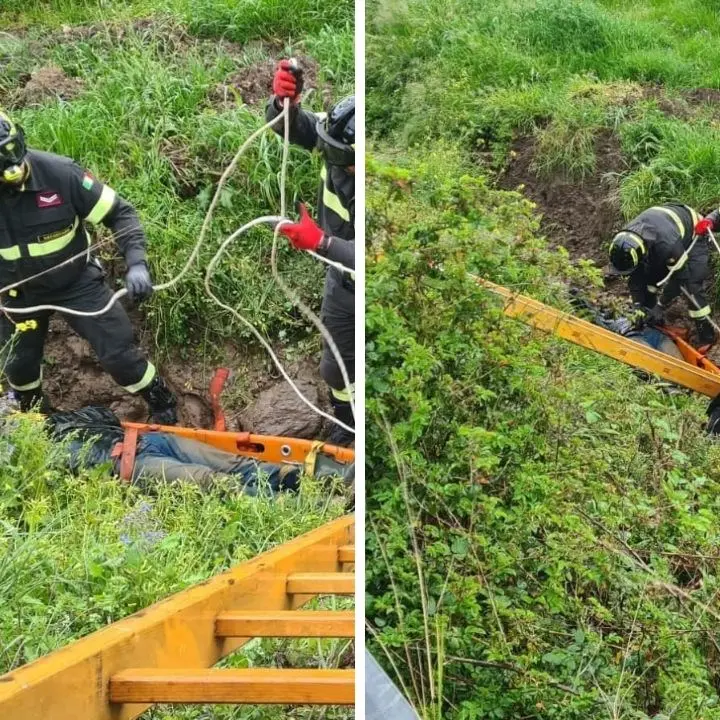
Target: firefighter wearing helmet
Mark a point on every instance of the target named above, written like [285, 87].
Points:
[333, 235]
[659, 243]
[47, 203]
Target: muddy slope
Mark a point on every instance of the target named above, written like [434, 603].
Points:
[580, 215]
[256, 399]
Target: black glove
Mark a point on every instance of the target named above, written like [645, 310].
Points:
[138, 282]
[713, 412]
[705, 332]
[655, 315]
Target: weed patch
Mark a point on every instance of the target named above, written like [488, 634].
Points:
[536, 547]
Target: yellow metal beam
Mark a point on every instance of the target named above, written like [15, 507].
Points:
[179, 632]
[287, 623]
[600, 340]
[256, 685]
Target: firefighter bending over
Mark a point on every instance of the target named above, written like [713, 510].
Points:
[334, 234]
[46, 202]
[659, 243]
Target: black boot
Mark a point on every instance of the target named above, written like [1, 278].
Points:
[343, 412]
[705, 333]
[34, 401]
[161, 402]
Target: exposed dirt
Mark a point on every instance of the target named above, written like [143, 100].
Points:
[706, 96]
[252, 85]
[580, 215]
[187, 176]
[45, 83]
[256, 397]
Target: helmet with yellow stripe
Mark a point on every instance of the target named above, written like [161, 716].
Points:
[336, 133]
[627, 250]
[12, 150]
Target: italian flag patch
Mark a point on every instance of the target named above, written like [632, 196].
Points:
[88, 181]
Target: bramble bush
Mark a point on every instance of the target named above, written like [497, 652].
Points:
[542, 526]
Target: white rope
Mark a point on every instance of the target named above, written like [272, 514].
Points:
[277, 221]
[332, 263]
[123, 292]
[680, 262]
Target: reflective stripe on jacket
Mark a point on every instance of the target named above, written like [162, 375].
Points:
[44, 221]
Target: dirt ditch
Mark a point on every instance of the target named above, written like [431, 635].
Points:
[583, 215]
[580, 215]
[256, 397]
[252, 84]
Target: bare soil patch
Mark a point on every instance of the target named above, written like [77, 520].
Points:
[579, 215]
[49, 82]
[256, 399]
[252, 84]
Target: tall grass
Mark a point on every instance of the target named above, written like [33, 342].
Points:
[145, 123]
[77, 553]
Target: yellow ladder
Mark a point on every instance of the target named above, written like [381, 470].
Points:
[541, 316]
[165, 653]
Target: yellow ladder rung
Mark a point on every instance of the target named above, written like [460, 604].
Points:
[321, 584]
[286, 623]
[263, 686]
[346, 554]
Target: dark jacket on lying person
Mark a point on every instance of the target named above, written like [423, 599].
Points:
[93, 433]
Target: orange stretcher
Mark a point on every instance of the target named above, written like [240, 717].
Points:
[265, 448]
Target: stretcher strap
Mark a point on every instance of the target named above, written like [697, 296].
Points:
[127, 459]
[311, 457]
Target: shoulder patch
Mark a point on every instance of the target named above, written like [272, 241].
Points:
[88, 181]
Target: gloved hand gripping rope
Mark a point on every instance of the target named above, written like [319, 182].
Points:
[277, 221]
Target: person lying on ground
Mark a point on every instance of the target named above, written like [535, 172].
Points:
[657, 340]
[94, 436]
[334, 234]
[657, 252]
[645, 334]
[47, 204]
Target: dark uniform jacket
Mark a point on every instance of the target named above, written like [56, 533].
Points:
[336, 202]
[667, 232]
[43, 222]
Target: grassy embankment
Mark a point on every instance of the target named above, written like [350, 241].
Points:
[543, 538]
[78, 553]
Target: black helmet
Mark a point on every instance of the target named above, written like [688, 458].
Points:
[12, 150]
[626, 251]
[336, 133]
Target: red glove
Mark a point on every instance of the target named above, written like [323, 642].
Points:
[305, 235]
[703, 226]
[285, 82]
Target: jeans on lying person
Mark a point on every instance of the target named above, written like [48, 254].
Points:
[163, 456]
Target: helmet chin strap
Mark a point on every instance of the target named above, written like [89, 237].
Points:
[14, 174]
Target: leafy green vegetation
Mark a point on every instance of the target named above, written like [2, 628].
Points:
[155, 97]
[542, 525]
[77, 553]
[482, 72]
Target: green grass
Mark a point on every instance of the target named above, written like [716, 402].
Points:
[483, 73]
[77, 553]
[145, 123]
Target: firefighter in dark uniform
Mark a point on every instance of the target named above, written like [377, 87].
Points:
[656, 243]
[334, 234]
[46, 201]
